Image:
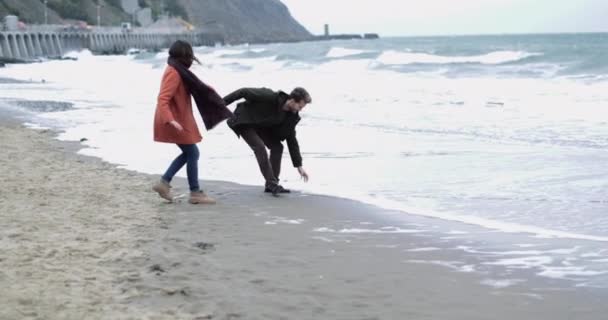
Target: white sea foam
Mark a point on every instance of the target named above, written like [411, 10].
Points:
[496, 57]
[35, 126]
[457, 232]
[524, 262]
[526, 245]
[600, 253]
[345, 67]
[282, 220]
[358, 230]
[425, 249]
[338, 52]
[324, 239]
[454, 265]
[562, 251]
[222, 52]
[502, 283]
[569, 272]
[486, 223]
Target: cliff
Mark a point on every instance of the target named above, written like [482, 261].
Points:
[246, 20]
[238, 20]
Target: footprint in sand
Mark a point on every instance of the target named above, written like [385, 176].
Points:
[157, 268]
[205, 246]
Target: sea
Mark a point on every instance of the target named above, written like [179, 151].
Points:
[498, 143]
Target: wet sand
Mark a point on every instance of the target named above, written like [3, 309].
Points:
[81, 239]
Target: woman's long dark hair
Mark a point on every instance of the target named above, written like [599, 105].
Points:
[210, 105]
[182, 52]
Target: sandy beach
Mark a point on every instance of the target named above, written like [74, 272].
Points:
[82, 239]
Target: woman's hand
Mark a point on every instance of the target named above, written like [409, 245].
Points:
[176, 125]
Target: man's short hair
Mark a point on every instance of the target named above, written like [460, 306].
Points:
[298, 94]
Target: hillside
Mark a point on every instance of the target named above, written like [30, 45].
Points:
[246, 20]
[27, 10]
[32, 11]
[238, 20]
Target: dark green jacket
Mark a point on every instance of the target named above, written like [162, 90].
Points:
[263, 108]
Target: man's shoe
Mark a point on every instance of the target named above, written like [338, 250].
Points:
[163, 188]
[199, 197]
[276, 189]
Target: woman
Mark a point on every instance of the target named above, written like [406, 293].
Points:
[174, 121]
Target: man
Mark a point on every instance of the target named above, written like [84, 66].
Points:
[265, 119]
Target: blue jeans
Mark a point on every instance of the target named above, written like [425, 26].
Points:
[190, 157]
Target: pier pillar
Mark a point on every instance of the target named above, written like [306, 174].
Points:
[46, 46]
[93, 42]
[107, 42]
[15, 46]
[3, 52]
[30, 45]
[37, 46]
[59, 46]
[53, 45]
[7, 47]
[22, 46]
[88, 42]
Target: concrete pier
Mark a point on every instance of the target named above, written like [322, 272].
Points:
[28, 45]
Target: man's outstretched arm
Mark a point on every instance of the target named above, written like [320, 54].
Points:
[296, 157]
[251, 94]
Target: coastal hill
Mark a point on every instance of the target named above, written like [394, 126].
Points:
[246, 20]
[238, 20]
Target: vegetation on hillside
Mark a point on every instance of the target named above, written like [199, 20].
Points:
[171, 7]
[4, 10]
[85, 10]
[70, 9]
[174, 9]
[8, 9]
[82, 10]
[29, 11]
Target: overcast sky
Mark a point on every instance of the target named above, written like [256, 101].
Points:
[437, 17]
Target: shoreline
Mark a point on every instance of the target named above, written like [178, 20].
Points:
[84, 239]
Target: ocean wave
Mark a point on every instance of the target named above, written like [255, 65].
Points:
[286, 56]
[39, 105]
[339, 52]
[222, 52]
[392, 57]
[488, 223]
[383, 230]
[550, 138]
[247, 54]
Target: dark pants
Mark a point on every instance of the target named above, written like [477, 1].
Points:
[258, 139]
[190, 157]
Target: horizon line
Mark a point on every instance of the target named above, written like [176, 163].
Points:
[474, 34]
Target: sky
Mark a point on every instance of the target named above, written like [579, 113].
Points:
[450, 17]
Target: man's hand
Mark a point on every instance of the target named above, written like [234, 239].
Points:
[303, 174]
[176, 125]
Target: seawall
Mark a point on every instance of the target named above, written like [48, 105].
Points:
[28, 45]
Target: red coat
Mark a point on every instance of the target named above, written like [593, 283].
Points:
[174, 103]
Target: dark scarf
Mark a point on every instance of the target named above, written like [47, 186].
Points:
[210, 105]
